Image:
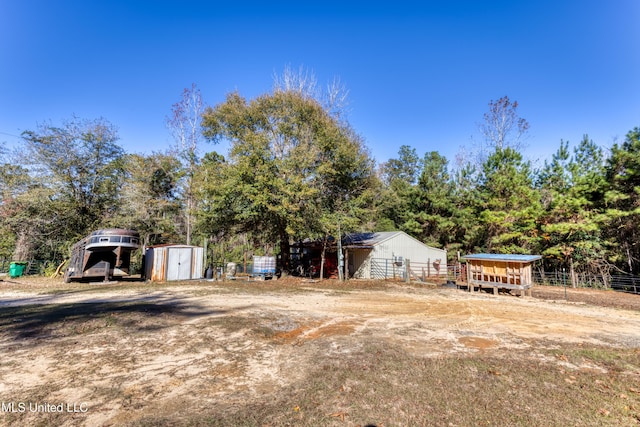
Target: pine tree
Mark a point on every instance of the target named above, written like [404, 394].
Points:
[432, 204]
[622, 201]
[510, 206]
[399, 177]
[572, 187]
[469, 233]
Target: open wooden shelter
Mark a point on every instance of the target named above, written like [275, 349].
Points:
[500, 271]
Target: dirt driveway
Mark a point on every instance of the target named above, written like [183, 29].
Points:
[111, 355]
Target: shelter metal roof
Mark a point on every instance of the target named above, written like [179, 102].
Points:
[503, 257]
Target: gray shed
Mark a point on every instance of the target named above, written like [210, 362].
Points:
[379, 255]
[173, 262]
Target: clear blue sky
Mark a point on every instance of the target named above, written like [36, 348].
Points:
[418, 73]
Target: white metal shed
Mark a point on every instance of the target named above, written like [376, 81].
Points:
[378, 255]
[173, 262]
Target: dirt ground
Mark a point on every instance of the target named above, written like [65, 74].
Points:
[113, 354]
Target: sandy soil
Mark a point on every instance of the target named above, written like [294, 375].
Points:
[117, 353]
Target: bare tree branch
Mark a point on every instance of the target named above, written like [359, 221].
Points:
[502, 127]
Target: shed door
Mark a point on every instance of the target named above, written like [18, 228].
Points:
[179, 264]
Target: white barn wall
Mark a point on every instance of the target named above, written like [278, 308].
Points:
[395, 245]
[403, 245]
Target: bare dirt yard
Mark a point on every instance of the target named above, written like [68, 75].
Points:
[300, 353]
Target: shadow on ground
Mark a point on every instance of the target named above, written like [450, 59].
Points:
[38, 321]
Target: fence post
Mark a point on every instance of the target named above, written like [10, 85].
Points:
[407, 267]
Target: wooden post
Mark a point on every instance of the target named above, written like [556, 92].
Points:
[106, 272]
[423, 277]
[428, 267]
[204, 245]
[346, 264]
[407, 267]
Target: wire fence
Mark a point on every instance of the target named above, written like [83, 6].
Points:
[381, 268]
[386, 269]
[619, 282]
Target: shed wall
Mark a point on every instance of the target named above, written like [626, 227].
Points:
[398, 245]
[169, 263]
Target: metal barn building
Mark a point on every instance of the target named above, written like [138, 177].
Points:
[380, 255]
[173, 262]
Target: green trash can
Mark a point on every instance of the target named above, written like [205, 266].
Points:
[16, 269]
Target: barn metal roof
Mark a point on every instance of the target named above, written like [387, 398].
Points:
[364, 240]
[503, 257]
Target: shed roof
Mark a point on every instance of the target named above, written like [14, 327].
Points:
[172, 245]
[503, 257]
[369, 239]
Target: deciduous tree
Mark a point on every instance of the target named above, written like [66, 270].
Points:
[502, 126]
[78, 175]
[290, 164]
[184, 124]
[148, 201]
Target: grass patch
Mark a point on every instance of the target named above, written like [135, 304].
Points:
[615, 362]
[232, 324]
[258, 327]
[296, 284]
[383, 386]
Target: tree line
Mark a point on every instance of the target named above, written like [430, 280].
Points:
[297, 169]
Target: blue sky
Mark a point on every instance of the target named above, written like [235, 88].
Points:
[418, 73]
